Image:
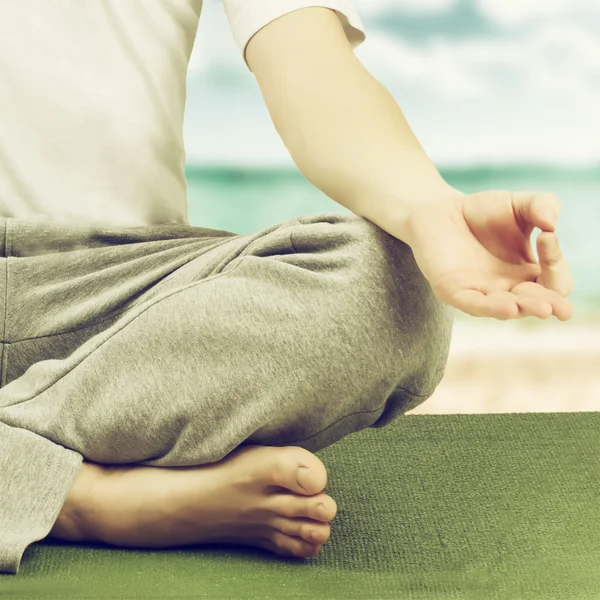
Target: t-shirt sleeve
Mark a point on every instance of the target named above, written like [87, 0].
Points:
[246, 17]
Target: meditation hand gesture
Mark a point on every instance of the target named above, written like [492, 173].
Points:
[475, 251]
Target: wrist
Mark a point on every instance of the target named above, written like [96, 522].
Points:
[392, 210]
[421, 195]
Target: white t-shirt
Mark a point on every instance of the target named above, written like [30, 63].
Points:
[92, 98]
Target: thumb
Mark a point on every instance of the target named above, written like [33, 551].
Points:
[538, 209]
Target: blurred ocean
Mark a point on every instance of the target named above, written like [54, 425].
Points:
[244, 200]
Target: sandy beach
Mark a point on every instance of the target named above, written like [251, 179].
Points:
[519, 366]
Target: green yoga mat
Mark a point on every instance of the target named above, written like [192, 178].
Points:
[482, 507]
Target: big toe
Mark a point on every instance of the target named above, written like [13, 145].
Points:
[300, 471]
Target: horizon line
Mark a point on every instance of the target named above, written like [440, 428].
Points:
[587, 166]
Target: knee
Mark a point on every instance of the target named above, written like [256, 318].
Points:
[383, 302]
[413, 326]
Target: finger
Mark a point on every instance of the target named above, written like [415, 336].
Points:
[531, 292]
[498, 305]
[539, 209]
[534, 307]
[555, 273]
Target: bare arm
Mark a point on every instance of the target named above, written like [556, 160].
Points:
[350, 139]
[342, 127]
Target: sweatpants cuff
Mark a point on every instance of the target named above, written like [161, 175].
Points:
[36, 476]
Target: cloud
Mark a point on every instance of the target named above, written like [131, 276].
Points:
[526, 86]
[527, 96]
[452, 20]
[436, 68]
[506, 12]
[369, 8]
[558, 59]
[215, 58]
[516, 12]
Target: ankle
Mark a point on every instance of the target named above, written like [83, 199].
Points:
[74, 523]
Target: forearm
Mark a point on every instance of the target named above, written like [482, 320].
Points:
[348, 136]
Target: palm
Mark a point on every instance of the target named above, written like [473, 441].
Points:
[476, 252]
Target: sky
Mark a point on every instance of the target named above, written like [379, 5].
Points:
[480, 82]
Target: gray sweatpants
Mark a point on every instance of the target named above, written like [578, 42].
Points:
[171, 345]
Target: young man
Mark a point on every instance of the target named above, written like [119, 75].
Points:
[164, 384]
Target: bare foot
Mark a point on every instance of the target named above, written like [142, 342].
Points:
[264, 496]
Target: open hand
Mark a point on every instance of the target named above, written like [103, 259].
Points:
[475, 251]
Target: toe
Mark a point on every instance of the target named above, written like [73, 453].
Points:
[313, 532]
[286, 545]
[319, 508]
[301, 471]
[323, 508]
